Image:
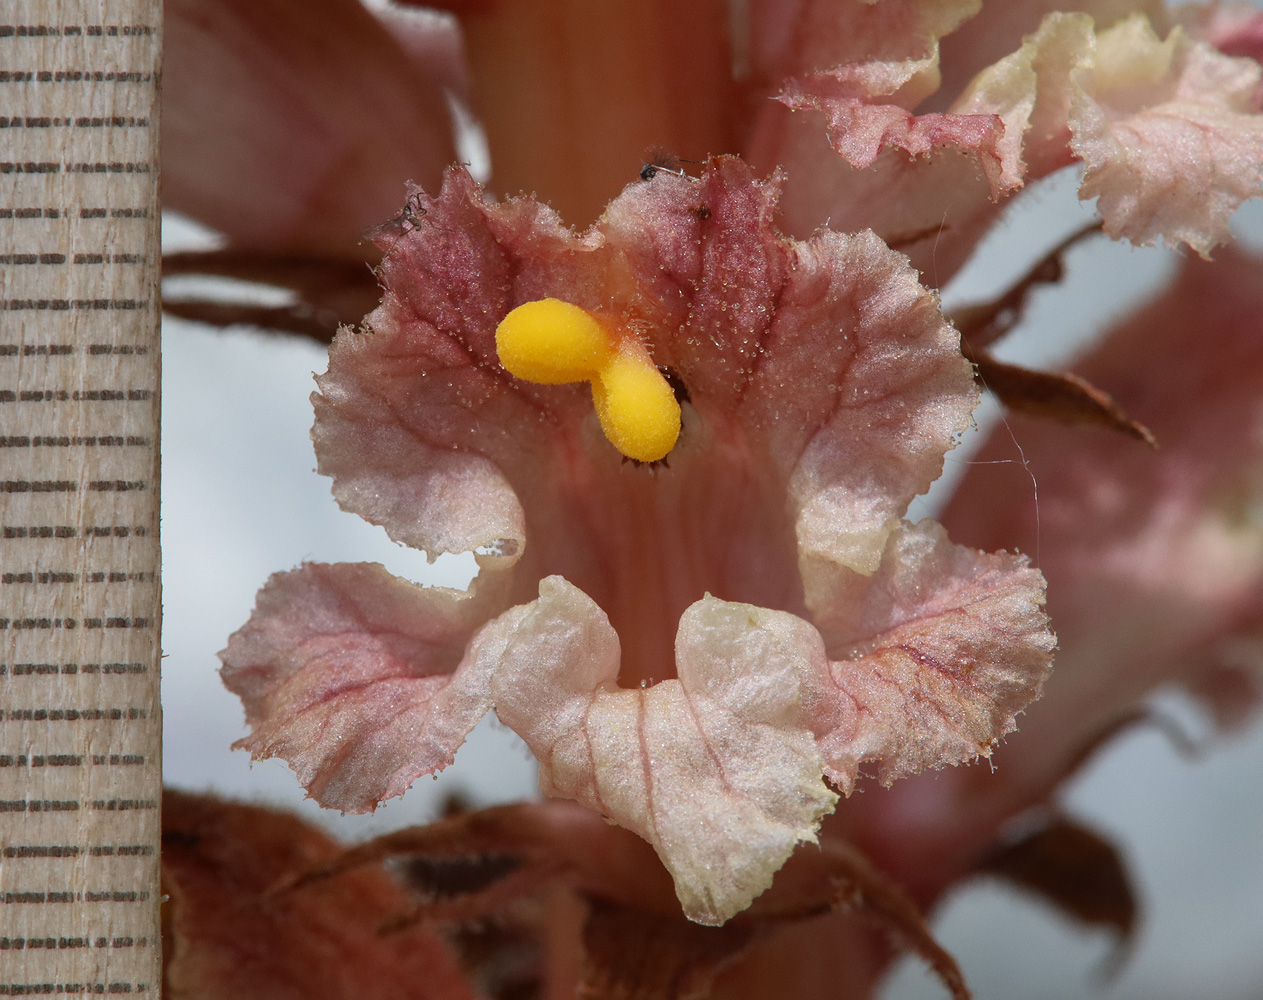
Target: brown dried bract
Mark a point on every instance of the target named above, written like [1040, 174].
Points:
[631, 941]
[1064, 397]
[330, 291]
[1075, 869]
[227, 937]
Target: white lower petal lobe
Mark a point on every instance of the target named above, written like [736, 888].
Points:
[714, 769]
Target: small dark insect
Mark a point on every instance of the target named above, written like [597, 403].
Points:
[650, 170]
[660, 159]
[407, 221]
[702, 212]
[410, 217]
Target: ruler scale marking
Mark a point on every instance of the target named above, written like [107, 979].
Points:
[79, 590]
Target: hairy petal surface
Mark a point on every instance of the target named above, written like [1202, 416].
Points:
[897, 408]
[415, 409]
[861, 132]
[931, 658]
[865, 66]
[362, 681]
[714, 769]
[1165, 129]
[828, 353]
[824, 362]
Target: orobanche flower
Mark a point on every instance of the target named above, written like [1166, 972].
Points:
[699, 603]
[1164, 124]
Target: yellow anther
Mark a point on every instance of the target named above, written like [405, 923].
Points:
[550, 342]
[636, 406]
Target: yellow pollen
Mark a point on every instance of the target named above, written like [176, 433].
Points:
[550, 342]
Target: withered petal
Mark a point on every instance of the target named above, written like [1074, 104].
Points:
[1075, 868]
[227, 936]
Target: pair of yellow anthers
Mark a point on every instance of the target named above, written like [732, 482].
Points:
[551, 342]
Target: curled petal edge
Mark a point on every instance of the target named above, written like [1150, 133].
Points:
[931, 659]
[362, 681]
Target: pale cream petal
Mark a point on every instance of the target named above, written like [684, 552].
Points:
[714, 769]
[1168, 134]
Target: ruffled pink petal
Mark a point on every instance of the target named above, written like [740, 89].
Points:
[1168, 135]
[871, 63]
[931, 658]
[875, 49]
[897, 404]
[714, 769]
[860, 132]
[363, 682]
[415, 409]
[925, 183]
[293, 127]
[1165, 129]
[829, 353]
[1154, 559]
[825, 362]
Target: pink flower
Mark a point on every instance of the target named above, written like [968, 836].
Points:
[691, 649]
[708, 651]
[271, 109]
[1154, 559]
[1164, 125]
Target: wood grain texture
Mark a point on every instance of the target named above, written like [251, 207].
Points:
[80, 729]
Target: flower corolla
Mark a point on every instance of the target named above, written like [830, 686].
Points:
[703, 649]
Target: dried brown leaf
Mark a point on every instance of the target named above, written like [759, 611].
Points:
[225, 936]
[297, 319]
[1075, 869]
[630, 894]
[983, 323]
[1064, 397]
[330, 291]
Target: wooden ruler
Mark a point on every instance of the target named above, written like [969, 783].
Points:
[79, 594]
